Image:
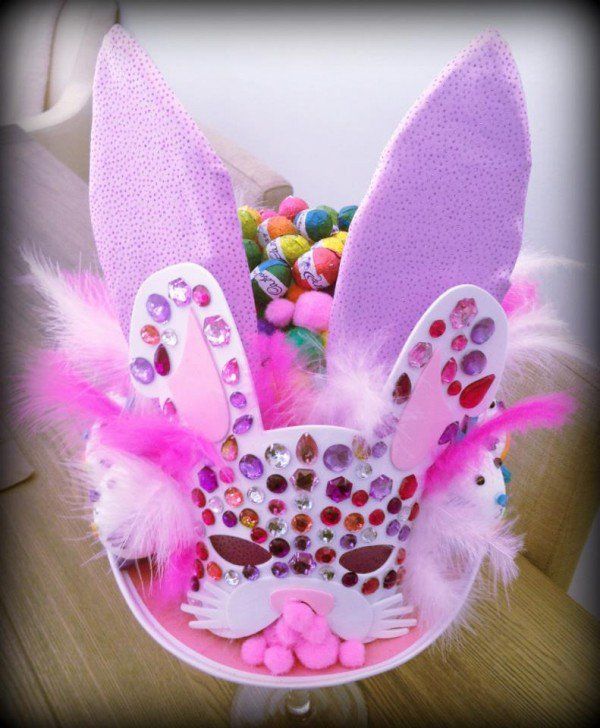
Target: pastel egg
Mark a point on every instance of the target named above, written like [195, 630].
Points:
[316, 269]
[291, 206]
[248, 221]
[266, 213]
[331, 212]
[346, 215]
[270, 279]
[254, 252]
[275, 227]
[287, 248]
[334, 242]
[314, 224]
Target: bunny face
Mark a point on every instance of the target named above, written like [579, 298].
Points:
[319, 513]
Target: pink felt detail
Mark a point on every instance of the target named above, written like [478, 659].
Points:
[298, 616]
[321, 602]
[159, 194]
[318, 657]
[279, 312]
[253, 650]
[423, 419]
[279, 660]
[313, 310]
[196, 387]
[522, 297]
[352, 653]
[445, 205]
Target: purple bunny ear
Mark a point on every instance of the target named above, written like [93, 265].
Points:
[446, 203]
[158, 193]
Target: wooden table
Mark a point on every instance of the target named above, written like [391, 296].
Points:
[73, 653]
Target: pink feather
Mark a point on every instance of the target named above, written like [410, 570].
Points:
[522, 296]
[548, 412]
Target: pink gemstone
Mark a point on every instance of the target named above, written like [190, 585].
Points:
[338, 489]
[162, 363]
[217, 330]
[226, 475]
[459, 342]
[150, 334]
[230, 373]
[463, 313]
[169, 409]
[306, 449]
[201, 295]
[420, 354]
[449, 371]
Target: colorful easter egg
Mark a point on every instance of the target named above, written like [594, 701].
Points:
[294, 292]
[254, 253]
[291, 206]
[249, 221]
[316, 269]
[275, 227]
[287, 248]
[266, 213]
[345, 216]
[331, 212]
[270, 279]
[334, 242]
[313, 224]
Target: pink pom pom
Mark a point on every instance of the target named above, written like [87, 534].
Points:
[313, 311]
[253, 650]
[318, 631]
[317, 657]
[286, 635]
[352, 653]
[270, 634]
[279, 660]
[265, 213]
[298, 616]
[291, 206]
[279, 312]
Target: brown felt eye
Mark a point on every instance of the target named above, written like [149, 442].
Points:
[238, 551]
[365, 559]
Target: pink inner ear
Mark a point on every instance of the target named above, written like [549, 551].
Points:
[423, 420]
[196, 387]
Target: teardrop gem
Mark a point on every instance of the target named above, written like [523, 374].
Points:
[162, 363]
[230, 373]
[449, 370]
[472, 395]
[402, 389]
[229, 449]
[306, 449]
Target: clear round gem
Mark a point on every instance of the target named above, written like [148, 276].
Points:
[363, 470]
[277, 455]
[369, 534]
[158, 307]
[326, 573]
[141, 370]
[217, 330]
[255, 495]
[215, 504]
[303, 503]
[232, 577]
[169, 337]
[277, 527]
[325, 535]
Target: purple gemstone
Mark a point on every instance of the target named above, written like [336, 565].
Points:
[158, 307]
[379, 449]
[229, 519]
[207, 478]
[302, 563]
[474, 362]
[449, 433]
[381, 487]
[279, 547]
[404, 533]
[394, 506]
[337, 457]
[338, 489]
[463, 313]
[483, 330]
[242, 424]
[238, 400]
[280, 570]
[142, 370]
[393, 528]
[251, 467]
[180, 292]
[302, 543]
[420, 354]
[348, 541]
[250, 572]
[230, 373]
[217, 330]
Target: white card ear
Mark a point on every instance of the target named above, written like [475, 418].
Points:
[186, 351]
[449, 369]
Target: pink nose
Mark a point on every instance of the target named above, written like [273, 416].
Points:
[320, 602]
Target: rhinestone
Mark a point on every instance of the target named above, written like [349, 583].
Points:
[233, 497]
[354, 522]
[194, 583]
[201, 550]
[226, 475]
[473, 394]
[199, 566]
[238, 400]
[229, 449]
[277, 455]
[232, 577]
[306, 449]
[279, 547]
[201, 295]
[325, 555]
[214, 571]
[326, 573]
[215, 504]
[179, 292]
[401, 555]
[303, 503]
[350, 579]
[276, 483]
[437, 329]
[229, 519]
[208, 517]
[449, 433]
[360, 498]
[280, 570]
[381, 487]
[369, 534]
[348, 541]
[230, 373]
[207, 479]
[463, 313]
[360, 448]
[473, 363]
[158, 307]
[162, 363]
[482, 330]
[141, 370]
[408, 487]
[251, 467]
[248, 517]
[370, 586]
[277, 507]
[459, 342]
[379, 449]
[255, 495]
[169, 410]
[330, 515]
[454, 388]
[400, 575]
[198, 498]
[393, 528]
[217, 331]
[404, 513]
[420, 354]
[302, 543]
[169, 337]
[250, 572]
[363, 470]
[376, 517]
[325, 535]
[304, 479]
[302, 563]
[404, 533]
[393, 506]
[277, 527]
[150, 334]
[338, 489]
[449, 370]
[242, 424]
[414, 512]
[402, 389]
[258, 535]
[337, 457]
[301, 522]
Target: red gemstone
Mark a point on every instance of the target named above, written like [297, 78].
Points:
[377, 517]
[400, 575]
[198, 497]
[454, 388]
[414, 512]
[162, 363]
[194, 583]
[208, 517]
[201, 551]
[199, 568]
[459, 342]
[437, 328]
[401, 555]
[389, 580]
[472, 395]
[258, 535]
[360, 498]
[330, 515]
[402, 389]
[325, 555]
[408, 487]
[370, 586]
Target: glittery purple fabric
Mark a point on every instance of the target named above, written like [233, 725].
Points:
[159, 195]
[445, 205]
